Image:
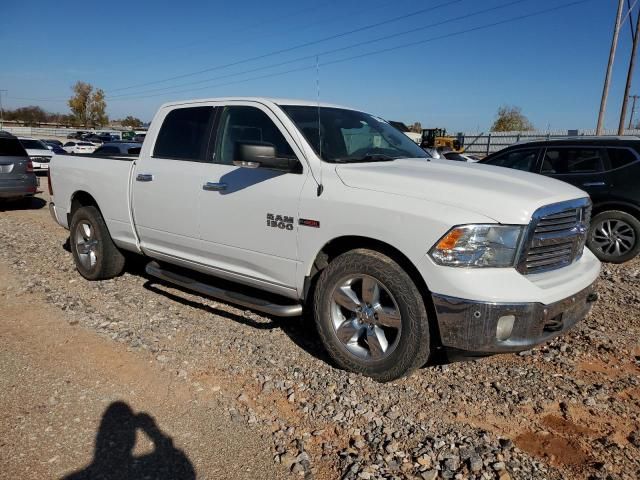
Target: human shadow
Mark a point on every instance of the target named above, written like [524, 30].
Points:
[114, 459]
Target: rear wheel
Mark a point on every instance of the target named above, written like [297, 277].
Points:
[370, 316]
[95, 254]
[614, 236]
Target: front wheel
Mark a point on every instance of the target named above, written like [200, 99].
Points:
[614, 236]
[95, 254]
[370, 316]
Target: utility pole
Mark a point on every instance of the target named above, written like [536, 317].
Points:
[1, 114]
[627, 88]
[607, 78]
[633, 110]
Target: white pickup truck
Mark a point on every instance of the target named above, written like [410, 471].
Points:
[283, 206]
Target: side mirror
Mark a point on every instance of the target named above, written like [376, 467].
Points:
[261, 154]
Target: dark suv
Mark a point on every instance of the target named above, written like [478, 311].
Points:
[17, 179]
[608, 169]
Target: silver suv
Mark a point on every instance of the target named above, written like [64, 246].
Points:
[17, 179]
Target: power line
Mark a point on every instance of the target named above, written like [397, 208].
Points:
[295, 47]
[377, 52]
[326, 52]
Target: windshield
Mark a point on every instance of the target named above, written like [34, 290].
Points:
[349, 136]
[33, 145]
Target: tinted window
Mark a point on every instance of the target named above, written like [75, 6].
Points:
[247, 124]
[517, 159]
[620, 157]
[33, 144]
[11, 147]
[184, 134]
[70, 144]
[107, 150]
[572, 160]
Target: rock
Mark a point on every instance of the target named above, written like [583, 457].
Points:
[498, 466]
[475, 464]
[429, 475]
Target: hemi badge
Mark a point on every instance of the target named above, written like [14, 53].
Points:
[309, 223]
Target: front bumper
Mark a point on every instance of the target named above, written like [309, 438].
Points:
[469, 328]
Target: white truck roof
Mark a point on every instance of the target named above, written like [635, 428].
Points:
[276, 101]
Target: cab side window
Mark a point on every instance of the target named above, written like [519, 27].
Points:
[247, 124]
[184, 134]
[524, 159]
[560, 161]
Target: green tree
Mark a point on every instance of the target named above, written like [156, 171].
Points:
[131, 122]
[511, 119]
[88, 107]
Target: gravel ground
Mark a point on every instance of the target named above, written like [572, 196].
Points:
[567, 409]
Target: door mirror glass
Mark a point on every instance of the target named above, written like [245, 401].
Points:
[262, 154]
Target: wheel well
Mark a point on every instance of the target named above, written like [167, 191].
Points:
[81, 199]
[623, 207]
[342, 245]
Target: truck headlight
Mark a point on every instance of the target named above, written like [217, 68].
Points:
[478, 246]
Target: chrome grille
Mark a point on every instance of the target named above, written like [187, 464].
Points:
[556, 236]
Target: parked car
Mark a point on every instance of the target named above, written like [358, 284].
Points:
[392, 253]
[58, 150]
[38, 152]
[607, 169]
[139, 137]
[119, 148]
[460, 157]
[77, 135]
[50, 143]
[79, 147]
[17, 179]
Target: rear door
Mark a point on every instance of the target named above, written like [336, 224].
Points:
[167, 182]
[580, 166]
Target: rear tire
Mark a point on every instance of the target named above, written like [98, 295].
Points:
[614, 236]
[95, 254]
[370, 316]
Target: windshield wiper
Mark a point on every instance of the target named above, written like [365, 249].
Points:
[366, 158]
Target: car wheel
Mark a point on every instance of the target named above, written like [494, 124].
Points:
[95, 254]
[614, 236]
[370, 316]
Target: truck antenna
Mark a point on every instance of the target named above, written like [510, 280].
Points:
[320, 185]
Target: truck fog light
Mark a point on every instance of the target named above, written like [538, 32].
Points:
[505, 327]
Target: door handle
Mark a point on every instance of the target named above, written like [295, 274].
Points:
[594, 184]
[214, 187]
[144, 177]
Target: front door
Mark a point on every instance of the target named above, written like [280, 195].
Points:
[579, 166]
[249, 216]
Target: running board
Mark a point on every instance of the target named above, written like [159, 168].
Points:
[229, 296]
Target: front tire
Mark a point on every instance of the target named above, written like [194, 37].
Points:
[614, 236]
[95, 254]
[370, 316]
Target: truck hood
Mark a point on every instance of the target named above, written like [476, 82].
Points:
[504, 195]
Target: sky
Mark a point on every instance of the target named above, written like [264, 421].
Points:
[444, 63]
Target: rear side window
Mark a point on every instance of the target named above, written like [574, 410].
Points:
[572, 160]
[69, 144]
[11, 147]
[523, 160]
[184, 134]
[620, 157]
